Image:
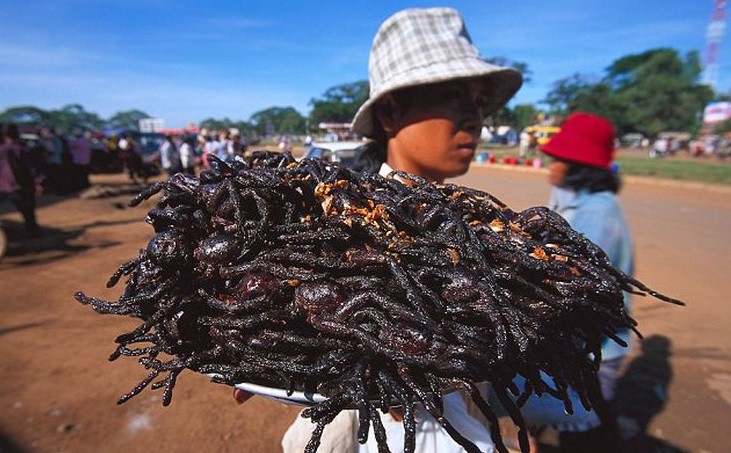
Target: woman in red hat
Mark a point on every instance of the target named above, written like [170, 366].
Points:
[584, 193]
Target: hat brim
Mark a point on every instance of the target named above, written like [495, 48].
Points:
[504, 83]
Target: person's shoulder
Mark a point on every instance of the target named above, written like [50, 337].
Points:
[597, 203]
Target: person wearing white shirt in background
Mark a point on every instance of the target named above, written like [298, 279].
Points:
[187, 156]
[169, 157]
[225, 149]
[210, 148]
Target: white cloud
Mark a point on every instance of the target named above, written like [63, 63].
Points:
[14, 54]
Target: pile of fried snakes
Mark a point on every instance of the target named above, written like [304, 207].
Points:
[374, 291]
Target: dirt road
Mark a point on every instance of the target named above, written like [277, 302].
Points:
[57, 390]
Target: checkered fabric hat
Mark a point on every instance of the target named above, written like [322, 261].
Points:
[422, 46]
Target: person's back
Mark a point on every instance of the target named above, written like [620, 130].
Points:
[81, 151]
[599, 216]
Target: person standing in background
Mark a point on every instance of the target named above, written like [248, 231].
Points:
[19, 184]
[584, 192]
[526, 140]
[187, 156]
[81, 161]
[210, 148]
[53, 150]
[169, 156]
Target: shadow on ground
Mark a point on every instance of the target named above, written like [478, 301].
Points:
[11, 329]
[51, 244]
[103, 189]
[642, 394]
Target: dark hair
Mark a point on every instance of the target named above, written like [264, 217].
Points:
[12, 132]
[592, 179]
[371, 156]
[374, 153]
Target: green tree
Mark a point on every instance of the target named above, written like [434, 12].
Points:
[24, 114]
[278, 120]
[658, 90]
[246, 129]
[649, 92]
[213, 124]
[74, 117]
[524, 115]
[339, 103]
[723, 128]
[128, 119]
[563, 92]
[517, 65]
[600, 99]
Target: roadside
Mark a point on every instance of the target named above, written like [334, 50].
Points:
[636, 163]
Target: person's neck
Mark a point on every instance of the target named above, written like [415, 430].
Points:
[397, 163]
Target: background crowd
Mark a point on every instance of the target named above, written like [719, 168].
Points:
[45, 160]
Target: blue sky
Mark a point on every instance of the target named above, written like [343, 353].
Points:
[185, 61]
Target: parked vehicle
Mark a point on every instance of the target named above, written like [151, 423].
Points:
[632, 139]
[543, 134]
[344, 153]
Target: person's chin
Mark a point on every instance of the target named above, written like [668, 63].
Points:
[459, 169]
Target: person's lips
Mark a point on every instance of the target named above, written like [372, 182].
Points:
[467, 147]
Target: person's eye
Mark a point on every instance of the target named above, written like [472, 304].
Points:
[451, 94]
[482, 101]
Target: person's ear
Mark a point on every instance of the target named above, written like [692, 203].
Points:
[388, 113]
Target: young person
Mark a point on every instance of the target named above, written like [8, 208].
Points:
[584, 193]
[429, 92]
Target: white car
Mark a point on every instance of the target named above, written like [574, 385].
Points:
[344, 153]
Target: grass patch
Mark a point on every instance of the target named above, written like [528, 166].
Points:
[673, 168]
[636, 163]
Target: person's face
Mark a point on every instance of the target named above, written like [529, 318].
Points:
[557, 170]
[436, 134]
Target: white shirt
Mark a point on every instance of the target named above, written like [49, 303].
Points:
[186, 155]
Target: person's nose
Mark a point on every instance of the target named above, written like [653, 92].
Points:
[472, 116]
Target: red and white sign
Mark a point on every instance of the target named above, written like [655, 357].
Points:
[717, 112]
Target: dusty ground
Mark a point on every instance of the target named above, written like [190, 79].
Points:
[58, 391]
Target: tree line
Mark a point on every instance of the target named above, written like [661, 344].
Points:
[650, 92]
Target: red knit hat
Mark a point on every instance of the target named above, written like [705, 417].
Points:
[584, 139]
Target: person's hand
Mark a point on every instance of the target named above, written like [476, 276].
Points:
[241, 396]
[397, 413]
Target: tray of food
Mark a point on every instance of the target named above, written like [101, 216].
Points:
[359, 291]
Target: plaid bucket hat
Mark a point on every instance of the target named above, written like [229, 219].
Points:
[422, 46]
